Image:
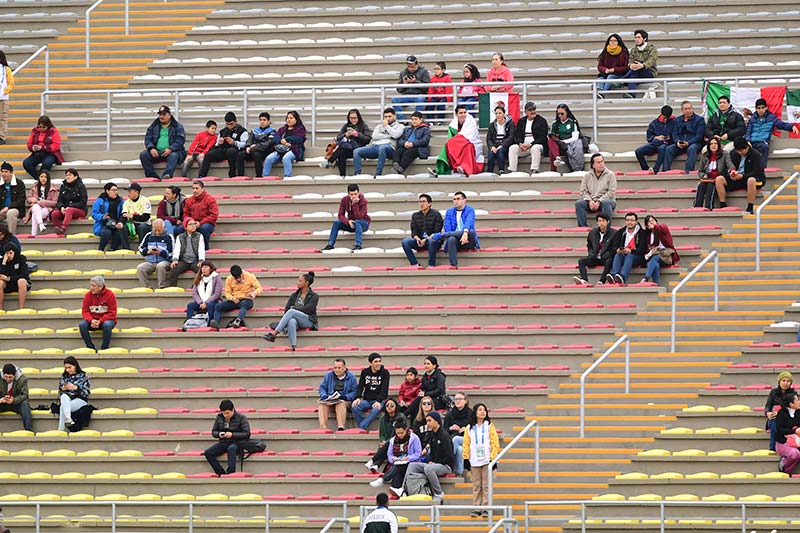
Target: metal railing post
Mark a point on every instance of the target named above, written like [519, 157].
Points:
[674, 311]
[127, 17]
[87, 31]
[46, 68]
[245, 107]
[108, 121]
[314, 116]
[582, 405]
[765, 203]
[594, 111]
[113, 518]
[504, 451]
[176, 105]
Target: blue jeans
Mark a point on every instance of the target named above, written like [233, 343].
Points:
[691, 156]
[365, 406]
[46, 159]
[220, 447]
[273, 158]
[106, 326]
[23, 409]
[453, 244]
[172, 160]
[650, 149]
[582, 207]
[409, 244]
[500, 158]
[380, 152]
[194, 307]
[68, 406]
[635, 75]
[397, 102]
[359, 227]
[762, 148]
[607, 85]
[772, 426]
[290, 321]
[243, 306]
[654, 268]
[458, 451]
[624, 263]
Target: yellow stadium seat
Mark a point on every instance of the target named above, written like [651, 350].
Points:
[109, 411]
[121, 251]
[76, 290]
[610, 497]
[735, 409]
[246, 498]
[212, 497]
[25, 453]
[655, 452]
[718, 498]
[573, 522]
[794, 498]
[82, 235]
[63, 452]
[146, 310]
[181, 497]
[37, 390]
[117, 433]
[646, 498]
[29, 252]
[699, 409]
[138, 290]
[48, 497]
[682, 498]
[694, 522]
[772, 475]
[621, 522]
[98, 272]
[763, 522]
[54, 311]
[142, 411]
[759, 453]
[677, 431]
[299, 520]
[123, 370]
[80, 351]
[4, 453]
[41, 273]
[145, 498]
[747, 431]
[667, 475]
[118, 350]
[147, 350]
[10, 331]
[13, 498]
[132, 390]
[89, 252]
[756, 498]
[68, 272]
[28, 370]
[15, 351]
[725, 453]
[68, 331]
[126, 272]
[711, 431]
[38, 331]
[23, 311]
[738, 475]
[52, 433]
[18, 433]
[728, 522]
[111, 497]
[127, 453]
[175, 475]
[102, 475]
[8, 475]
[48, 351]
[58, 252]
[691, 452]
[93, 453]
[703, 475]
[154, 518]
[70, 475]
[632, 475]
[170, 289]
[256, 521]
[94, 370]
[86, 433]
[137, 329]
[103, 390]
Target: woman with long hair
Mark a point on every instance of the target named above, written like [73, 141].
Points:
[72, 201]
[289, 145]
[564, 143]
[391, 412]
[661, 249]
[612, 63]
[73, 391]
[353, 135]
[206, 291]
[42, 200]
[481, 446]
[713, 162]
[499, 72]
[300, 311]
[468, 94]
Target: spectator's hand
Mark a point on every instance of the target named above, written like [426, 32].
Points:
[247, 150]
[153, 152]
[253, 295]
[35, 148]
[420, 394]
[454, 427]
[285, 142]
[682, 144]
[594, 205]
[63, 210]
[166, 152]
[660, 137]
[464, 238]
[235, 300]
[4, 210]
[119, 225]
[419, 241]
[625, 251]
[795, 130]
[351, 223]
[724, 137]
[69, 386]
[153, 251]
[203, 305]
[173, 264]
[355, 402]
[408, 144]
[771, 415]
[494, 149]
[736, 175]
[376, 405]
[95, 322]
[524, 147]
[6, 399]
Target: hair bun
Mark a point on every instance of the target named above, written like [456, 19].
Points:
[311, 274]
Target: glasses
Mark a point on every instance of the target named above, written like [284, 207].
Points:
[427, 403]
[460, 399]
[561, 114]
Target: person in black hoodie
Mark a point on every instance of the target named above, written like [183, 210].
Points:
[14, 276]
[439, 452]
[231, 428]
[498, 140]
[746, 173]
[788, 424]
[599, 245]
[232, 139]
[774, 402]
[630, 245]
[455, 421]
[300, 311]
[72, 201]
[373, 390]
[433, 385]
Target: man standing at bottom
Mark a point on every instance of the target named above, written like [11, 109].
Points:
[381, 520]
[599, 245]
[231, 428]
[439, 452]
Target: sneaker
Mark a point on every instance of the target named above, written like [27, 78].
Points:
[369, 465]
[357, 247]
[610, 279]
[619, 279]
[2, 141]
[599, 284]
[397, 168]
[475, 514]
[484, 513]
[68, 422]
[60, 230]
[214, 324]
[378, 482]
[558, 161]
[270, 337]
[327, 247]
[398, 492]
[432, 173]
[579, 280]
[645, 280]
[42, 227]
[781, 465]
[325, 164]
[460, 170]
[438, 497]
[236, 323]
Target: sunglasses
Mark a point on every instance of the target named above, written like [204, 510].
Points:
[427, 403]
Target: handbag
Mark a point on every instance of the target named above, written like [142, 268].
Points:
[793, 440]
[199, 320]
[665, 254]
[330, 149]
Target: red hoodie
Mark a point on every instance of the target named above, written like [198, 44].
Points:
[101, 306]
[441, 91]
[203, 209]
[202, 143]
[409, 391]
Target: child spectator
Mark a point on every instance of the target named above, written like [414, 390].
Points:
[409, 389]
[413, 143]
[468, 94]
[202, 143]
[42, 199]
[481, 446]
[439, 96]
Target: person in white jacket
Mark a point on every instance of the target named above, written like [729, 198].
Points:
[384, 141]
[381, 520]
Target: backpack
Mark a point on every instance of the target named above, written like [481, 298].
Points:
[200, 320]
[416, 483]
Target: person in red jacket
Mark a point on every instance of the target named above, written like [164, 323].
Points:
[660, 239]
[99, 312]
[439, 96]
[409, 389]
[203, 208]
[44, 144]
[202, 143]
[352, 217]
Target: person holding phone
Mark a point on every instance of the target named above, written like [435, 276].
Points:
[410, 80]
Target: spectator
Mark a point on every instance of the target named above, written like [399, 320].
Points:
[458, 232]
[660, 136]
[372, 392]
[424, 223]
[403, 449]
[439, 96]
[12, 196]
[434, 384]
[165, 140]
[464, 150]
[714, 162]
[170, 209]
[598, 191]
[300, 311]
[289, 145]
[15, 397]
[188, 253]
[411, 78]
[726, 124]
[774, 403]
[231, 428]
[137, 210]
[381, 520]
[660, 249]
[498, 140]
[353, 135]
[241, 288]
[455, 421]
[157, 248]
[202, 208]
[760, 127]
[409, 388]
[600, 250]
[42, 199]
[612, 63]
[439, 452]
[107, 215]
[390, 414]
[481, 446]
[643, 59]
[206, 291]
[337, 390]
[468, 94]
[787, 423]
[14, 275]
[530, 139]
[44, 144]
[414, 142]
[499, 72]
[420, 425]
[73, 201]
[746, 172]
[6, 237]
[260, 143]
[232, 139]
[74, 389]
[99, 311]
[630, 245]
[6, 86]
[384, 141]
[564, 143]
[688, 137]
[352, 218]
[203, 142]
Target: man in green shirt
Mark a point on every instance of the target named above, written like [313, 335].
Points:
[164, 141]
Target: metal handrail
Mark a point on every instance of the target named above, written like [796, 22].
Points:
[505, 522]
[674, 325]
[87, 30]
[765, 203]
[504, 451]
[434, 521]
[612, 349]
[37, 53]
[333, 521]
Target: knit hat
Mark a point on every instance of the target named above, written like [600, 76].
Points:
[436, 416]
[785, 374]
[7, 166]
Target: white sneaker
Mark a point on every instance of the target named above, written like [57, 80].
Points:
[398, 492]
[369, 465]
[376, 482]
[325, 164]
[42, 227]
[579, 280]
[69, 422]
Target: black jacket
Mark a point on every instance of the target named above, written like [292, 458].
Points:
[373, 387]
[364, 134]
[441, 448]
[309, 306]
[434, 385]
[642, 241]
[239, 135]
[18, 196]
[593, 244]
[776, 397]
[753, 167]
[508, 139]
[16, 269]
[540, 129]
[460, 418]
[72, 195]
[239, 426]
[734, 125]
[425, 225]
[786, 425]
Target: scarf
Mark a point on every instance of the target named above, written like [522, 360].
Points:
[175, 208]
[642, 48]
[614, 50]
[206, 287]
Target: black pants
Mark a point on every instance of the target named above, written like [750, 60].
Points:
[340, 157]
[255, 155]
[117, 237]
[396, 475]
[381, 455]
[227, 445]
[219, 153]
[706, 193]
[405, 156]
[593, 262]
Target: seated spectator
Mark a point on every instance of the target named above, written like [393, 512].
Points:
[468, 94]
[760, 126]
[458, 232]
[598, 191]
[612, 63]
[300, 311]
[660, 249]
[414, 142]
[659, 137]
[231, 428]
[390, 414]
[439, 96]
[231, 140]
[384, 141]
[409, 388]
[787, 423]
[434, 384]
[72, 203]
[14, 274]
[464, 149]
[499, 72]
[74, 389]
[455, 422]
[290, 142]
[15, 397]
[12, 196]
[481, 446]
[170, 209]
[203, 142]
[714, 162]
[241, 288]
[137, 210]
[530, 139]
[412, 93]
[206, 291]
[352, 218]
[439, 453]
[108, 222]
[165, 140]
[372, 392]
[630, 245]
[353, 135]
[44, 144]
[725, 125]
[746, 172]
[600, 250]
[419, 424]
[564, 143]
[99, 311]
[774, 403]
[337, 390]
[188, 253]
[157, 248]
[498, 140]
[260, 143]
[41, 199]
[403, 449]
[424, 223]
[202, 208]
[643, 58]
[687, 137]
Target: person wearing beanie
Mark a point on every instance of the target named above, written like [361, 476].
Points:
[12, 196]
[231, 140]
[15, 395]
[99, 312]
[241, 288]
[231, 428]
[659, 137]
[439, 452]
[774, 402]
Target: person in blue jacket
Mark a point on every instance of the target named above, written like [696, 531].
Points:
[760, 127]
[107, 215]
[458, 233]
[165, 140]
[415, 142]
[336, 392]
[659, 138]
[688, 138]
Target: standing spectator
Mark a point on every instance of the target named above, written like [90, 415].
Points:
[726, 124]
[157, 248]
[73, 201]
[714, 162]
[260, 143]
[74, 389]
[390, 414]
[414, 142]
[201, 144]
[44, 144]
[14, 275]
[409, 388]
[424, 223]
[481, 446]
[658, 249]
[202, 208]
[746, 172]
[598, 191]
[170, 209]
[643, 62]
[231, 140]
[300, 311]
[6, 86]
[381, 520]
[439, 96]
[774, 403]
[107, 215]
[99, 311]
[498, 140]
[241, 288]
[659, 137]
[352, 217]
[12, 196]
[353, 135]
[787, 422]
[458, 232]
[337, 390]
[760, 127]
[439, 452]
[372, 392]
[455, 422]
[468, 94]
[688, 137]
[410, 78]
[600, 250]
[165, 140]
[15, 397]
[612, 63]
[42, 198]
[384, 141]
[206, 291]
[137, 210]
[231, 428]
[499, 72]
[188, 253]
[564, 143]
[464, 150]
[403, 449]
[630, 245]
[434, 385]
[530, 139]
[289, 145]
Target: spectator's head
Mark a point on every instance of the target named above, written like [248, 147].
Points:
[430, 362]
[650, 221]
[198, 187]
[563, 112]
[597, 163]
[400, 427]
[500, 113]
[614, 44]
[97, 284]
[390, 407]
[236, 272]
[9, 250]
[71, 366]
[439, 68]
[741, 146]
[44, 123]
[791, 401]
[9, 372]
[416, 119]
[70, 175]
[230, 119]
[354, 118]
[264, 119]
[785, 379]
[640, 37]
[134, 190]
[425, 202]
[530, 110]
[480, 414]
[459, 201]
[191, 225]
[111, 190]
[353, 192]
[412, 64]
[164, 114]
[724, 103]
[471, 73]
[171, 192]
[686, 109]
[411, 374]
[713, 146]
[3, 60]
[461, 399]
[761, 107]
[206, 268]
[461, 114]
[293, 119]
[158, 227]
[226, 408]
[211, 127]
[44, 179]
[498, 60]
[602, 221]
[666, 111]
[6, 170]
[389, 115]
[631, 220]
[339, 367]
[375, 361]
[305, 280]
[5, 233]
[425, 407]
[433, 420]
[382, 499]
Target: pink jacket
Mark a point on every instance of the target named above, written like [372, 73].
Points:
[505, 74]
[49, 201]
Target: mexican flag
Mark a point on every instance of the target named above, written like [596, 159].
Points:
[743, 97]
[442, 163]
[793, 108]
[488, 101]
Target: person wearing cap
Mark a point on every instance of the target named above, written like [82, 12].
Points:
[659, 136]
[410, 78]
[439, 453]
[156, 247]
[188, 253]
[381, 520]
[231, 428]
[372, 392]
[165, 140]
[99, 312]
[775, 400]
[241, 288]
[108, 222]
[14, 274]
[202, 208]
[231, 140]
[170, 209]
[137, 210]
[530, 139]
[15, 395]
[12, 196]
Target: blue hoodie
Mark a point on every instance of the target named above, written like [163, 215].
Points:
[759, 129]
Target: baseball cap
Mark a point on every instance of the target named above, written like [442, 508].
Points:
[529, 105]
[411, 59]
[135, 187]
[164, 109]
